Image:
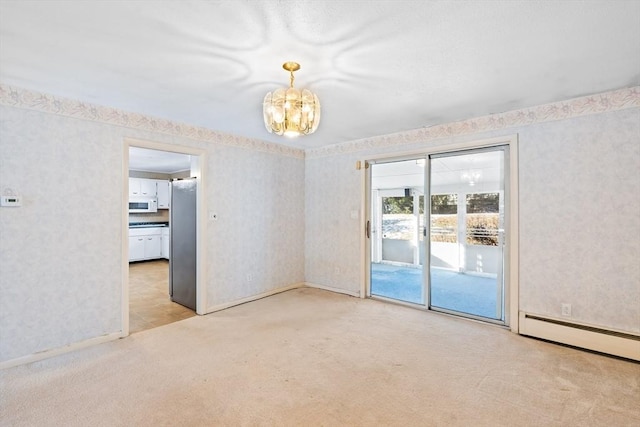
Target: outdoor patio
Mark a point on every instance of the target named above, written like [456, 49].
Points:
[451, 290]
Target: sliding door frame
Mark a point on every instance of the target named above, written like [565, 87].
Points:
[511, 253]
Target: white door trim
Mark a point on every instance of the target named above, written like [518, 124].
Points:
[198, 169]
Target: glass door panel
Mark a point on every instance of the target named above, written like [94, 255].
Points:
[397, 225]
[466, 219]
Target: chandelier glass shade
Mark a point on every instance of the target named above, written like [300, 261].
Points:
[289, 111]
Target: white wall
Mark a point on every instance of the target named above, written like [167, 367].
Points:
[259, 200]
[580, 218]
[60, 253]
[332, 238]
[579, 192]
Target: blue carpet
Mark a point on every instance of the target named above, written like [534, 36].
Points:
[450, 290]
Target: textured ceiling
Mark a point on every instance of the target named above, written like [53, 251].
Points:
[378, 67]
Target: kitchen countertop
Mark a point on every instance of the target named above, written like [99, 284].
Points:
[148, 224]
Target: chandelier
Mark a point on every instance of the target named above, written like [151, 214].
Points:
[289, 111]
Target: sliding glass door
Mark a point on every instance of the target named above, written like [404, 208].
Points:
[436, 229]
[396, 230]
[467, 224]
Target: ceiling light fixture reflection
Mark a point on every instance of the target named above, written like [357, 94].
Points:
[471, 177]
[289, 111]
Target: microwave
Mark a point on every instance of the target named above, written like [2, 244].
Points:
[143, 205]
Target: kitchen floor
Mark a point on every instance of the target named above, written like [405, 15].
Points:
[149, 302]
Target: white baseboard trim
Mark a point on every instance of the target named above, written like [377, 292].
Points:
[617, 343]
[332, 289]
[59, 350]
[226, 305]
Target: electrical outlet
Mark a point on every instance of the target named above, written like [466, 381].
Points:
[566, 309]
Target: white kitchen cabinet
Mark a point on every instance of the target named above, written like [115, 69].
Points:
[145, 243]
[134, 186]
[162, 188]
[165, 243]
[153, 247]
[143, 187]
[148, 187]
[136, 248]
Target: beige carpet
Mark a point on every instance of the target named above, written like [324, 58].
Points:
[313, 358]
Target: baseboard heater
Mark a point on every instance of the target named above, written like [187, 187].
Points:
[616, 343]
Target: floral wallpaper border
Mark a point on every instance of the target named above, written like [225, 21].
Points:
[23, 98]
[586, 105]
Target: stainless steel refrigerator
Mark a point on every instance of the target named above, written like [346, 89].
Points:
[182, 255]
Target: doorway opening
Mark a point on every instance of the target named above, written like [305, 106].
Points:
[438, 232]
[150, 244]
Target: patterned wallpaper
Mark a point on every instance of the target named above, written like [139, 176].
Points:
[22, 98]
[61, 252]
[587, 105]
[580, 218]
